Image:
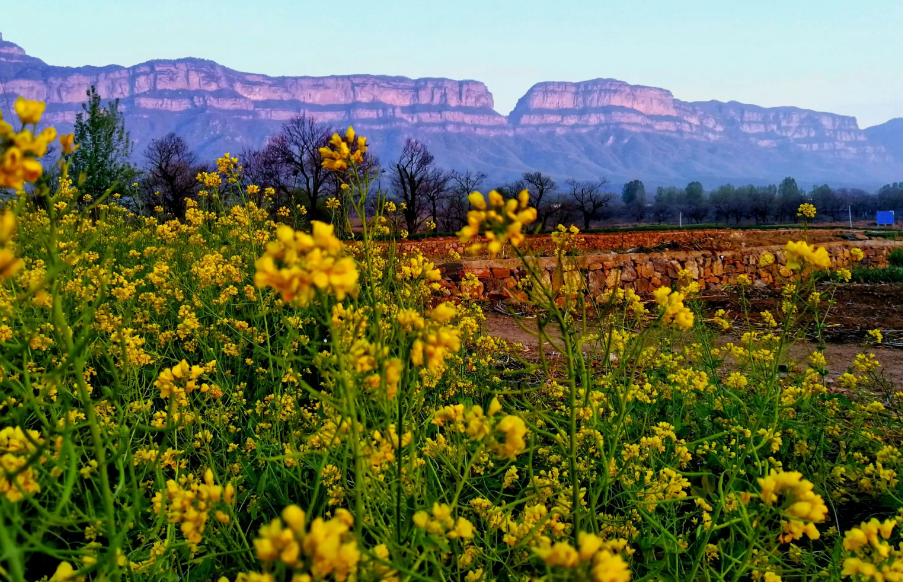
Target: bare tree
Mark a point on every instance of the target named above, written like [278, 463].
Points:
[561, 210]
[721, 200]
[589, 198]
[660, 211]
[454, 216]
[297, 150]
[418, 183]
[369, 170]
[637, 211]
[437, 194]
[760, 202]
[698, 212]
[460, 185]
[828, 202]
[463, 183]
[171, 169]
[739, 207]
[542, 189]
[265, 168]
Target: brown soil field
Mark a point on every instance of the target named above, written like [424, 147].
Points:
[645, 241]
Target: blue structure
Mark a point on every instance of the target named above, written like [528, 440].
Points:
[885, 218]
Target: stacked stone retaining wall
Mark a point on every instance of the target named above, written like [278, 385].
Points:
[646, 272]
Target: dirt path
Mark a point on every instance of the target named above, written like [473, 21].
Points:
[857, 307]
[869, 310]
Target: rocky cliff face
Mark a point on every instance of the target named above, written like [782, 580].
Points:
[575, 103]
[194, 84]
[889, 135]
[614, 104]
[626, 130]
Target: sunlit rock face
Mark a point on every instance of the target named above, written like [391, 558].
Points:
[615, 104]
[590, 128]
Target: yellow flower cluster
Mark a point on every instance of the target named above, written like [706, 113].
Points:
[721, 319]
[629, 298]
[341, 152]
[328, 546]
[9, 264]
[675, 310]
[182, 379]
[565, 239]
[191, 506]
[16, 446]
[514, 429]
[806, 210]
[802, 504]
[436, 340]
[873, 557]
[477, 425]
[871, 533]
[368, 407]
[800, 252]
[210, 179]
[503, 220]
[419, 266]
[19, 151]
[606, 564]
[298, 264]
[393, 370]
[443, 524]
[228, 165]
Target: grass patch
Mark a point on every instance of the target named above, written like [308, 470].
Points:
[892, 274]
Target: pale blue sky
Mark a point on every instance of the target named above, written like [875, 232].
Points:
[842, 56]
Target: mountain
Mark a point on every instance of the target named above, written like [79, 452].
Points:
[601, 127]
[889, 135]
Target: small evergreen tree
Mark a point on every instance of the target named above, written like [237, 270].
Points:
[634, 197]
[102, 159]
[634, 192]
[695, 194]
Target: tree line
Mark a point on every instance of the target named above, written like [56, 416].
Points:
[289, 167]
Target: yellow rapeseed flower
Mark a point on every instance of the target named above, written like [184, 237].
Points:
[806, 210]
[29, 112]
[803, 505]
[514, 430]
[297, 264]
[503, 221]
[340, 152]
[67, 141]
[801, 252]
[675, 310]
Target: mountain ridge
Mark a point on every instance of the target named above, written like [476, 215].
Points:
[604, 126]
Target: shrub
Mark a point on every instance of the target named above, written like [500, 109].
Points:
[895, 258]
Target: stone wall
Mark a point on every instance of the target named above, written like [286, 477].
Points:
[646, 272]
